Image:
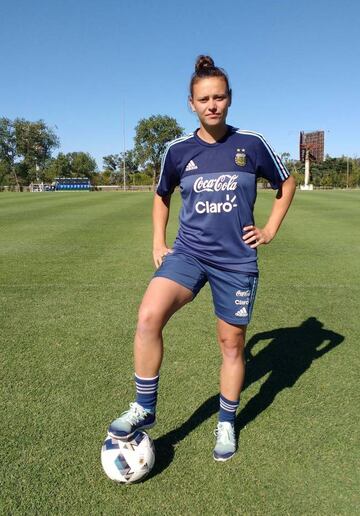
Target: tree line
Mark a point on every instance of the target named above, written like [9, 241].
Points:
[343, 172]
[27, 156]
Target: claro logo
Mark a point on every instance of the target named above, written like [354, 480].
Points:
[216, 207]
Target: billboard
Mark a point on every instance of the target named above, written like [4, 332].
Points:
[314, 142]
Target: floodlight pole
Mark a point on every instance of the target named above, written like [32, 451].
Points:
[347, 172]
[307, 168]
[306, 185]
[124, 169]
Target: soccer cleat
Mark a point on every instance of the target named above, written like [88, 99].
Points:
[225, 441]
[136, 418]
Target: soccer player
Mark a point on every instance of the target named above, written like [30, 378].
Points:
[216, 168]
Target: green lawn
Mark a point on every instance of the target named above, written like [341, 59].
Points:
[73, 268]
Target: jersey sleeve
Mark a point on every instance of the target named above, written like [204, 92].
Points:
[269, 165]
[169, 176]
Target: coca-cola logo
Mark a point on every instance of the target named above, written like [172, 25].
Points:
[220, 184]
[242, 293]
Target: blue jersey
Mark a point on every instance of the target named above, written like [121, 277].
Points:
[218, 189]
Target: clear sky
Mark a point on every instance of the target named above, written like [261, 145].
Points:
[79, 64]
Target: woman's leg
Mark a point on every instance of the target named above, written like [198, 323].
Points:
[231, 339]
[162, 299]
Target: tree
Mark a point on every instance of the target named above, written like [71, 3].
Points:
[72, 164]
[8, 149]
[285, 158]
[151, 136]
[111, 162]
[114, 166]
[34, 143]
[82, 164]
[59, 167]
[115, 162]
[25, 149]
[131, 161]
[4, 173]
[354, 179]
[111, 172]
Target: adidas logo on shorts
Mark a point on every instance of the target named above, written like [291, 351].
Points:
[190, 166]
[242, 312]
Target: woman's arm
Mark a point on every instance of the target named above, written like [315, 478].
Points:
[255, 236]
[161, 209]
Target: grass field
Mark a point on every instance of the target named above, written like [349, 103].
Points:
[73, 268]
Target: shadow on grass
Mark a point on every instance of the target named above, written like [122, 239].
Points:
[289, 354]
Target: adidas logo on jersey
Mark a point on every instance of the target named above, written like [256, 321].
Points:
[190, 166]
[242, 312]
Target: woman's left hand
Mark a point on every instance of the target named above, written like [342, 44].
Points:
[255, 236]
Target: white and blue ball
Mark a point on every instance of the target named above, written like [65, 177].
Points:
[128, 461]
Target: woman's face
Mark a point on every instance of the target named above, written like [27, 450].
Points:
[210, 101]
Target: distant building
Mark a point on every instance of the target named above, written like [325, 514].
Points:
[314, 142]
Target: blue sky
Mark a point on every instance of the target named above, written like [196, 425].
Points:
[80, 64]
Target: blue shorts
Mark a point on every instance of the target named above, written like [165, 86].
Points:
[233, 292]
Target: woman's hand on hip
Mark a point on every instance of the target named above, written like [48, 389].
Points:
[255, 236]
[159, 253]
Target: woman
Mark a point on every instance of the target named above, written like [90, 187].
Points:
[216, 168]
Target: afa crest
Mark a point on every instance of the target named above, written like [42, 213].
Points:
[240, 157]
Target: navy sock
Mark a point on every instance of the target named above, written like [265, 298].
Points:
[227, 410]
[146, 392]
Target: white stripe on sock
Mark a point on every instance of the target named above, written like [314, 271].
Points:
[146, 379]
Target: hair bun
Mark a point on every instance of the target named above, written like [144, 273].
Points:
[203, 62]
[204, 69]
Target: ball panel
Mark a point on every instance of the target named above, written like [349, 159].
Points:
[128, 461]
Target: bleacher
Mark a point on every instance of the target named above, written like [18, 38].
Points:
[72, 183]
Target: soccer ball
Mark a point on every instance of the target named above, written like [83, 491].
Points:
[128, 461]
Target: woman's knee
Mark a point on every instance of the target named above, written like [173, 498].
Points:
[150, 320]
[232, 346]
